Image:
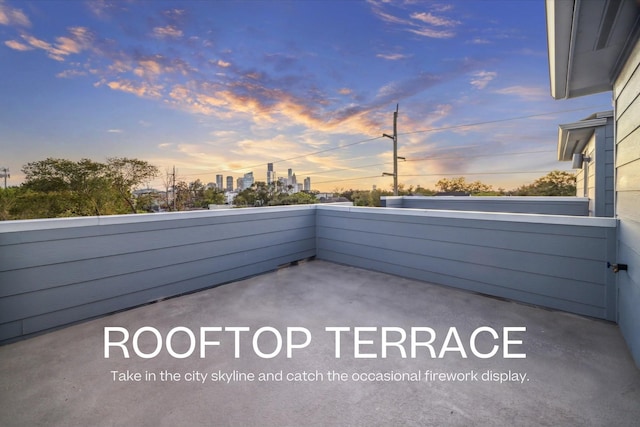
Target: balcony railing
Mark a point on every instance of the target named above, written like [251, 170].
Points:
[578, 206]
[55, 272]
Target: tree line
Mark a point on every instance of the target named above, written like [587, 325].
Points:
[555, 183]
[63, 188]
[275, 193]
[55, 188]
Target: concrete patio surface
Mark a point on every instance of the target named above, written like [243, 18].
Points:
[578, 370]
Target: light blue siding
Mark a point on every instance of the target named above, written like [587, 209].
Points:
[54, 276]
[56, 272]
[627, 100]
[562, 266]
[577, 206]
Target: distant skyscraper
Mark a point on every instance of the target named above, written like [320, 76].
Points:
[219, 184]
[239, 184]
[247, 181]
[294, 180]
[229, 183]
[270, 174]
[289, 177]
[307, 184]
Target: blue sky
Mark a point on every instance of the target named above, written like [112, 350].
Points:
[223, 87]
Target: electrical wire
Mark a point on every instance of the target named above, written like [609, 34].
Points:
[437, 129]
[488, 122]
[478, 173]
[348, 179]
[441, 174]
[426, 159]
[513, 153]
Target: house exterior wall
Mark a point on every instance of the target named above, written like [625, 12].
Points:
[581, 189]
[514, 204]
[552, 261]
[55, 272]
[608, 171]
[598, 173]
[589, 172]
[626, 93]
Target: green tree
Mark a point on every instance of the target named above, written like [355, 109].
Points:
[196, 193]
[84, 186]
[8, 201]
[213, 196]
[182, 196]
[460, 184]
[367, 197]
[362, 198]
[246, 197]
[555, 183]
[264, 194]
[299, 198]
[126, 174]
[420, 191]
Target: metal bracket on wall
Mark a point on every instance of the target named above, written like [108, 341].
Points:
[617, 267]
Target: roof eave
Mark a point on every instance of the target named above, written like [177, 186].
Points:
[573, 137]
[559, 23]
[588, 42]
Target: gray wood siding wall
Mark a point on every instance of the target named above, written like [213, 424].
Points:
[561, 265]
[609, 180]
[539, 205]
[58, 275]
[626, 93]
[590, 172]
[580, 183]
[601, 171]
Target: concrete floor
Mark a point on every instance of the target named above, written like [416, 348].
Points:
[578, 370]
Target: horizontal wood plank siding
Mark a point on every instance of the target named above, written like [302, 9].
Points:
[560, 266]
[54, 276]
[626, 91]
[51, 276]
[515, 204]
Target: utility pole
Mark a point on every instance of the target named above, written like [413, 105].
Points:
[395, 151]
[173, 175]
[5, 175]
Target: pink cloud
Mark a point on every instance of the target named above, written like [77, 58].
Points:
[12, 16]
[16, 45]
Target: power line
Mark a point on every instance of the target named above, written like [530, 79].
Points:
[349, 179]
[441, 174]
[479, 173]
[419, 159]
[316, 152]
[290, 158]
[481, 155]
[345, 169]
[436, 129]
[427, 159]
[488, 122]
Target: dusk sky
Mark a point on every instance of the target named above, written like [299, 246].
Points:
[221, 87]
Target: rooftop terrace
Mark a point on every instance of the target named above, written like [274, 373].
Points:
[578, 370]
[410, 352]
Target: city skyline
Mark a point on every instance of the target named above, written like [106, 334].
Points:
[226, 88]
[245, 181]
